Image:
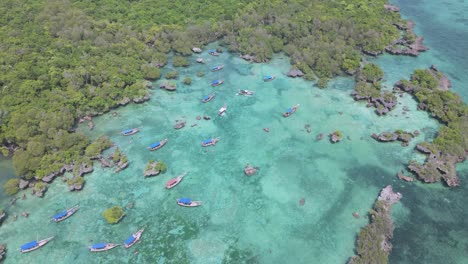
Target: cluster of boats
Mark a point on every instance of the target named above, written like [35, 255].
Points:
[33, 245]
[185, 202]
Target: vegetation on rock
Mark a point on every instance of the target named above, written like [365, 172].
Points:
[11, 186]
[114, 214]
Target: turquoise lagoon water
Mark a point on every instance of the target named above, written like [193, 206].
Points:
[255, 219]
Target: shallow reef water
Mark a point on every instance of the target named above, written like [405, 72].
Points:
[259, 219]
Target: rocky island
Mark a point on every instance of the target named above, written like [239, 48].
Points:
[430, 88]
[373, 244]
[154, 168]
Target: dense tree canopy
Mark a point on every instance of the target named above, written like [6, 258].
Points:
[64, 59]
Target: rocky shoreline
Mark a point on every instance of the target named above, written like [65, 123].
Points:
[154, 168]
[400, 135]
[373, 245]
[2, 252]
[439, 164]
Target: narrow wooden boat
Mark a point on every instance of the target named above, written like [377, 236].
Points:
[290, 111]
[213, 53]
[173, 182]
[179, 124]
[222, 110]
[245, 92]
[217, 68]
[33, 245]
[187, 202]
[208, 97]
[135, 237]
[102, 247]
[65, 214]
[210, 142]
[130, 132]
[157, 145]
[268, 78]
[217, 82]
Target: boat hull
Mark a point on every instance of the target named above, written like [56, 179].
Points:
[269, 79]
[108, 247]
[39, 245]
[208, 99]
[160, 146]
[70, 212]
[137, 237]
[192, 204]
[218, 83]
[174, 182]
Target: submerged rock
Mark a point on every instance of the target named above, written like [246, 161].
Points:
[179, 124]
[2, 251]
[249, 170]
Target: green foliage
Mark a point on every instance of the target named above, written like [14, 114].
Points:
[150, 72]
[179, 61]
[94, 149]
[172, 74]
[187, 80]
[367, 90]
[77, 180]
[423, 79]
[338, 134]
[39, 186]
[161, 166]
[371, 72]
[11, 186]
[117, 155]
[200, 74]
[4, 151]
[322, 83]
[114, 214]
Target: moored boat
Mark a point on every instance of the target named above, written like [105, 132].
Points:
[187, 202]
[268, 78]
[173, 182]
[213, 53]
[157, 145]
[65, 214]
[217, 68]
[290, 111]
[245, 92]
[210, 142]
[130, 132]
[135, 237]
[217, 82]
[222, 110]
[208, 97]
[102, 247]
[33, 245]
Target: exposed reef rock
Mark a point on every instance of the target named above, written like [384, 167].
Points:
[196, 50]
[409, 44]
[295, 73]
[168, 86]
[373, 244]
[2, 252]
[392, 8]
[336, 136]
[248, 57]
[154, 168]
[249, 170]
[400, 135]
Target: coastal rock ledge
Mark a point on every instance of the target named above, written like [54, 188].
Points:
[373, 244]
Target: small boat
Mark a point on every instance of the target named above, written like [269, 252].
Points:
[208, 97]
[102, 247]
[222, 110]
[33, 245]
[268, 78]
[65, 214]
[210, 142]
[217, 68]
[245, 92]
[179, 124]
[130, 132]
[217, 82]
[290, 111]
[135, 237]
[213, 53]
[173, 182]
[187, 202]
[157, 145]
[200, 60]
